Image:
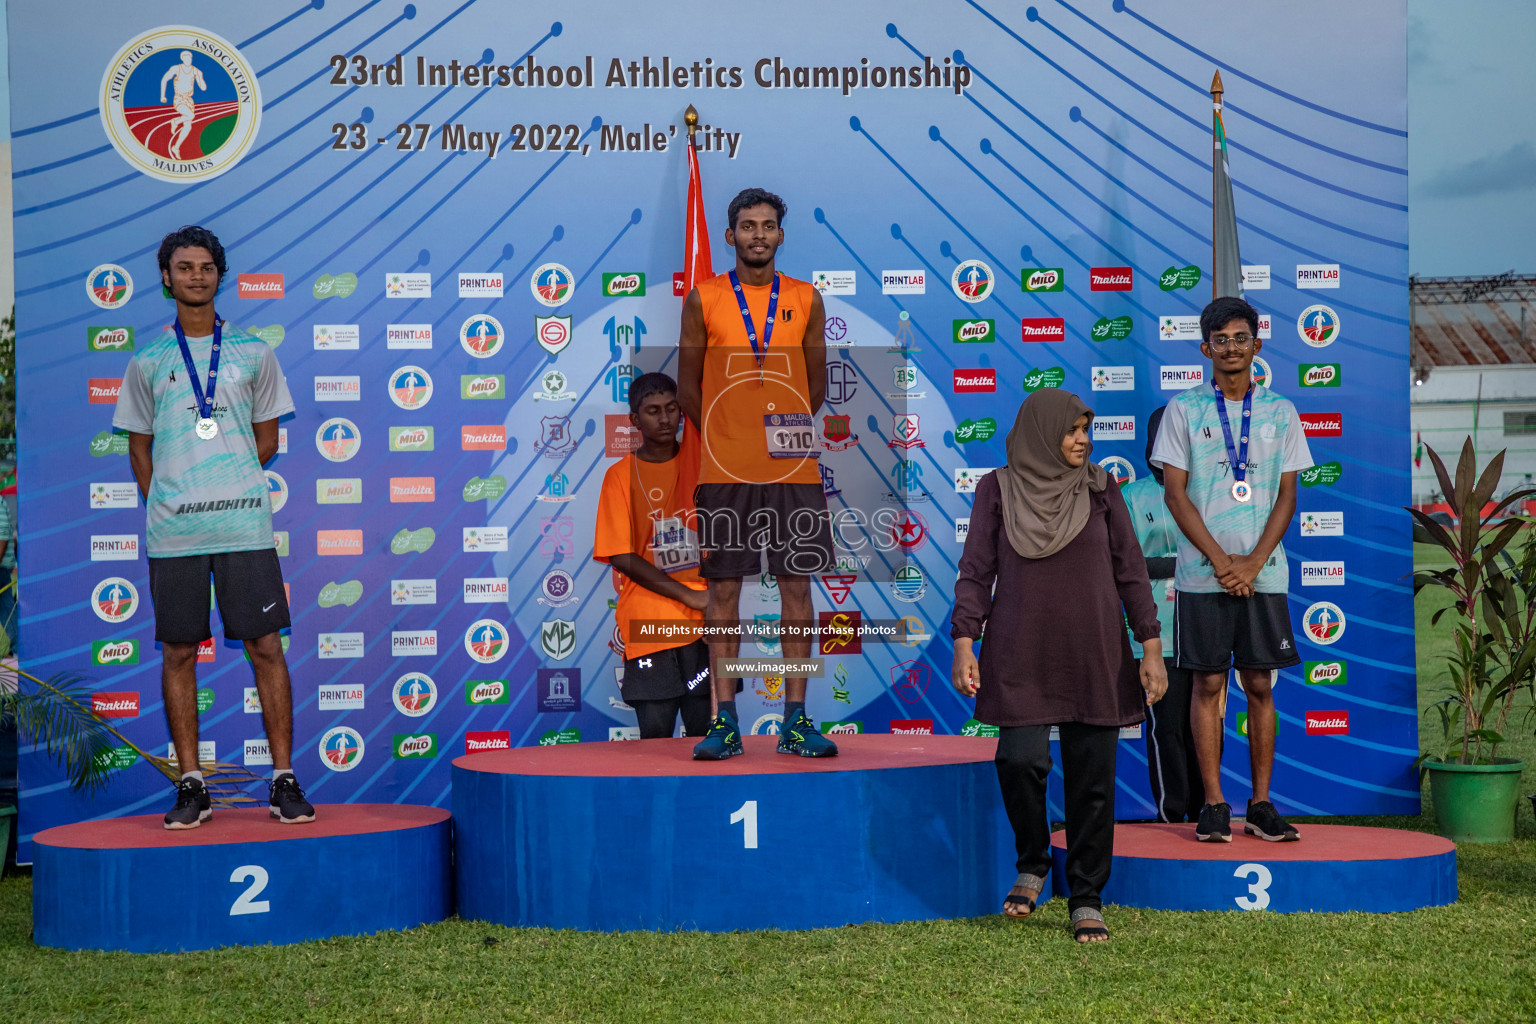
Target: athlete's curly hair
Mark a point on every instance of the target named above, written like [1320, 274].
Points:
[192, 236]
[648, 384]
[749, 197]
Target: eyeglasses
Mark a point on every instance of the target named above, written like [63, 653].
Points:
[1236, 341]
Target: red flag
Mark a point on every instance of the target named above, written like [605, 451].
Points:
[697, 265]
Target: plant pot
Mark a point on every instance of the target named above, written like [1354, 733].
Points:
[1475, 803]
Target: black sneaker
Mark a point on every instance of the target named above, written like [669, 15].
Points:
[192, 805]
[288, 804]
[1215, 824]
[1265, 822]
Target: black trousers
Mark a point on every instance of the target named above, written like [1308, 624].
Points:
[1088, 769]
[1172, 767]
[657, 718]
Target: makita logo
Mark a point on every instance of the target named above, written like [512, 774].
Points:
[412, 437]
[1327, 723]
[975, 381]
[624, 284]
[1322, 424]
[475, 742]
[339, 542]
[483, 439]
[1109, 279]
[412, 488]
[188, 508]
[103, 390]
[1044, 328]
[261, 286]
[115, 705]
[912, 727]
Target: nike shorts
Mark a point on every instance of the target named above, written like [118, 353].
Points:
[249, 586]
[1215, 632]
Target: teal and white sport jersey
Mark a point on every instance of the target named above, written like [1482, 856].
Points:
[1191, 439]
[205, 497]
[1158, 536]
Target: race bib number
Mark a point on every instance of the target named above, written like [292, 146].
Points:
[674, 547]
[789, 435]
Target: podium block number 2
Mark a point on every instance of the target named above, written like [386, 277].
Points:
[747, 815]
[1258, 889]
[246, 902]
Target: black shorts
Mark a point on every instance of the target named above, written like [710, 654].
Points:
[667, 675]
[1215, 632]
[252, 601]
[737, 522]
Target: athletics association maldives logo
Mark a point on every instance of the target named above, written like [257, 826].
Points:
[1121, 469]
[180, 103]
[109, 286]
[114, 599]
[972, 281]
[410, 387]
[1318, 326]
[481, 335]
[486, 641]
[1324, 623]
[415, 694]
[552, 284]
[341, 749]
[338, 439]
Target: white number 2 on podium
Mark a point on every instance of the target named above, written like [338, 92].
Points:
[1258, 888]
[247, 903]
[747, 815]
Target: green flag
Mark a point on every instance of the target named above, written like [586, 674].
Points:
[1226, 264]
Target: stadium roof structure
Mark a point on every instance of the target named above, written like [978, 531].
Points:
[1472, 321]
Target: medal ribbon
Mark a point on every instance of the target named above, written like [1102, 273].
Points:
[746, 316]
[1237, 455]
[204, 401]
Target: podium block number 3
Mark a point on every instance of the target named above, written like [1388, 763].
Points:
[246, 902]
[747, 815]
[1258, 889]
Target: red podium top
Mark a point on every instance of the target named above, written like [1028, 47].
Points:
[242, 825]
[1157, 841]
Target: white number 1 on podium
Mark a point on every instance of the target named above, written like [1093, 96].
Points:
[747, 814]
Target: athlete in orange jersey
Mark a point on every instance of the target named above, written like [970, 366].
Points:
[752, 373]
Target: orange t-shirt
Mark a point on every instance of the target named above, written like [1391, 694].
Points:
[738, 394]
[634, 496]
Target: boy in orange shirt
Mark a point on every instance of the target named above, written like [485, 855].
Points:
[646, 532]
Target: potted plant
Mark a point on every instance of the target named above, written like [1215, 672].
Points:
[1475, 791]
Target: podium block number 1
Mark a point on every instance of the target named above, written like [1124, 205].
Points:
[246, 902]
[747, 815]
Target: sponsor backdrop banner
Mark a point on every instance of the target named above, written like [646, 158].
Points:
[459, 226]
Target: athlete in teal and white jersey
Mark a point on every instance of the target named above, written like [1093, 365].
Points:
[197, 449]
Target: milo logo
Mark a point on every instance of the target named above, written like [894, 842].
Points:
[487, 691]
[974, 330]
[623, 284]
[1111, 328]
[473, 385]
[1175, 278]
[115, 758]
[1318, 375]
[1048, 279]
[407, 541]
[416, 745]
[1326, 474]
[204, 699]
[114, 652]
[555, 737]
[1326, 673]
[842, 728]
[339, 287]
[976, 430]
[411, 439]
[488, 489]
[109, 339]
[108, 443]
[333, 594]
[974, 728]
[1050, 377]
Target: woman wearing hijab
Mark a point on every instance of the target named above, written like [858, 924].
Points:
[1053, 534]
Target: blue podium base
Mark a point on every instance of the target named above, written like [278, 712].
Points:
[240, 879]
[1333, 868]
[638, 835]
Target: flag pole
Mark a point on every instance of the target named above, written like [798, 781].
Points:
[1216, 93]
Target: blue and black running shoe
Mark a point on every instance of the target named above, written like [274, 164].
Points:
[801, 737]
[722, 741]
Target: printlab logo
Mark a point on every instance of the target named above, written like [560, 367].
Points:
[109, 286]
[180, 104]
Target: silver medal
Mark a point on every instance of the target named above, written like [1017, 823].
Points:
[1242, 491]
[207, 429]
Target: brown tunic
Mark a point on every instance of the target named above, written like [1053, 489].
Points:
[1055, 649]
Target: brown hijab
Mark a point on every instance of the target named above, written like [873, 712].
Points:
[1045, 500]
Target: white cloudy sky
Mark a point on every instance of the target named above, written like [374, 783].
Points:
[1471, 142]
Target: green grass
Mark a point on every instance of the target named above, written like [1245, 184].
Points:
[1472, 961]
